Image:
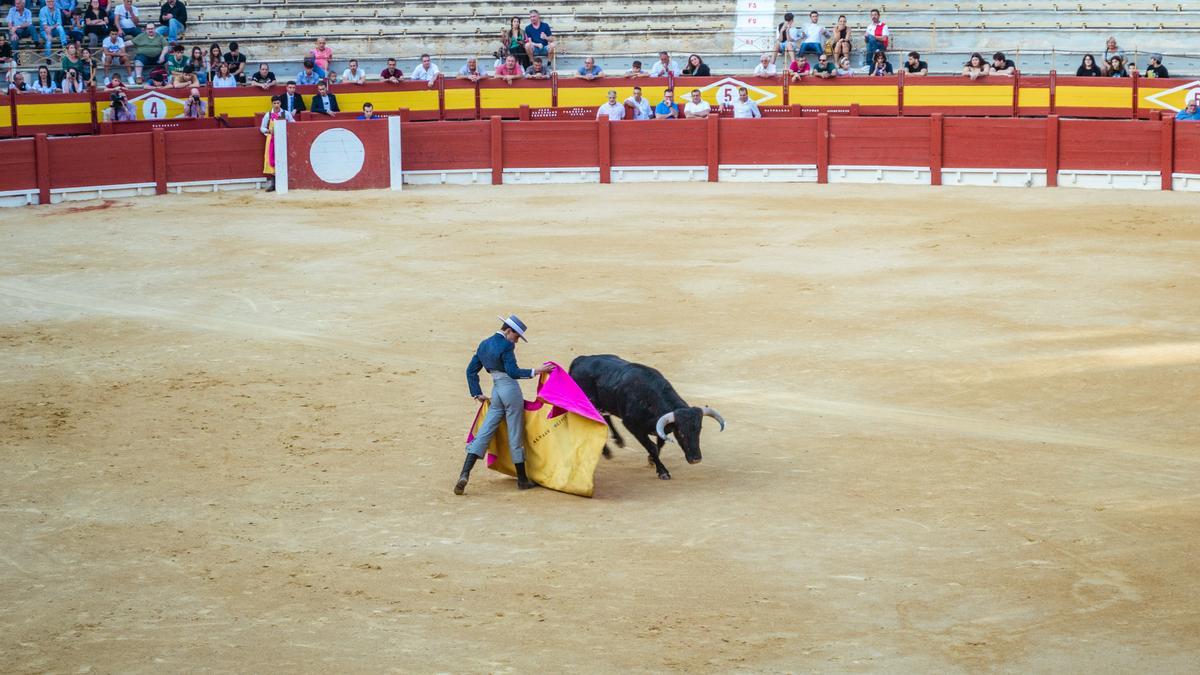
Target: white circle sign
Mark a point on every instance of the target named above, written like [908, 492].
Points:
[154, 108]
[336, 155]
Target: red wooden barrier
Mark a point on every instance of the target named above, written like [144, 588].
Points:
[659, 143]
[213, 155]
[868, 141]
[1187, 147]
[749, 142]
[994, 144]
[101, 160]
[446, 146]
[1098, 145]
[549, 145]
[18, 165]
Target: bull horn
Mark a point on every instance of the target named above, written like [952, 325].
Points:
[663, 421]
[709, 412]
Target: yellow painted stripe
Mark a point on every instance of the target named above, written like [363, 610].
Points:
[515, 98]
[242, 106]
[5, 117]
[457, 99]
[957, 95]
[1068, 96]
[389, 100]
[1178, 99]
[31, 114]
[1035, 98]
[597, 95]
[830, 96]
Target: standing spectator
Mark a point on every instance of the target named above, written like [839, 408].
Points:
[880, 66]
[173, 17]
[119, 109]
[641, 106]
[1110, 50]
[611, 109]
[786, 35]
[539, 39]
[664, 66]
[320, 55]
[915, 66]
[214, 60]
[1155, 67]
[325, 103]
[844, 69]
[537, 70]
[20, 24]
[696, 67]
[125, 18]
[50, 21]
[1189, 114]
[813, 35]
[195, 107]
[426, 71]
[308, 74]
[824, 68]
[841, 39]
[237, 63]
[393, 74]
[186, 78]
[149, 49]
[765, 67]
[1116, 67]
[114, 52]
[589, 70]
[73, 83]
[263, 79]
[510, 70]
[799, 68]
[635, 71]
[353, 75]
[976, 67]
[95, 24]
[199, 66]
[697, 108]
[470, 70]
[1002, 65]
[667, 110]
[275, 114]
[224, 78]
[877, 35]
[291, 101]
[1088, 67]
[42, 82]
[743, 108]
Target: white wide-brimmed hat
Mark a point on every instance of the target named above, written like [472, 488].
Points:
[516, 324]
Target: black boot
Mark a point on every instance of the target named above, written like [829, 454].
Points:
[468, 464]
[523, 482]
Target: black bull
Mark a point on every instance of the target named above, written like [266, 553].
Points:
[646, 403]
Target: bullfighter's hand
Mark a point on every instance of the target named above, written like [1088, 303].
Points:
[481, 398]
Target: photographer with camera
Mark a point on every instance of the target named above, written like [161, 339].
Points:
[195, 107]
[120, 110]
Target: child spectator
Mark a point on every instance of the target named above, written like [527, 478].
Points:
[1116, 67]
[799, 68]
[1088, 68]
[635, 70]
[214, 60]
[880, 66]
[198, 64]
[114, 51]
[844, 69]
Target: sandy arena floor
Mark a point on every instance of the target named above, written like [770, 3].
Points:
[963, 432]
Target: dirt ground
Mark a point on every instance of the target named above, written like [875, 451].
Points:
[963, 432]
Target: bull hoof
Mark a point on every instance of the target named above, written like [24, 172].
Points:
[664, 476]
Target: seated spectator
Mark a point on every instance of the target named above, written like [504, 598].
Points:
[510, 70]
[43, 83]
[308, 75]
[353, 74]
[73, 83]
[20, 25]
[96, 24]
[877, 36]
[824, 69]
[50, 23]
[1155, 68]
[743, 107]
[324, 102]
[426, 71]
[155, 78]
[290, 101]
[237, 63]
[512, 41]
[173, 19]
[696, 67]
[199, 65]
[119, 109]
[195, 107]
[1189, 114]
[16, 81]
[149, 49]
[667, 110]
[765, 67]
[1002, 65]
[880, 66]
[538, 38]
[224, 78]
[665, 65]
[611, 109]
[1116, 67]
[1110, 50]
[393, 74]
[6, 53]
[70, 59]
[799, 68]
[537, 70]
[915, 66]
[213, 61]
[841, 39]
[185, 78]
[113, 48]
[641, 106]
[1088, 68]
[589, 70]
[76, 30]
[87, 67]
[125, 18]
[263, 79]
[368, 112]
[321, 55]
[786, 36]
[175, 59]
[844, 69]
[813, 35]
[635, 71]
[470, 71]
[697, 108]
[114, 83]
[976, 67]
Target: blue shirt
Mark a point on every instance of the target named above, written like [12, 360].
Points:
[304, 78]
[594, 70]
[1184, 115]
[539, 34]
[662, 109]
[494, 353]
[16, 18]
[48, 17]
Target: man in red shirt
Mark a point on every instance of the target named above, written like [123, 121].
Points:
[391, 73]
[510, 70]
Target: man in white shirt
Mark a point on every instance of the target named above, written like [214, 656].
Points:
[743, 107]
[765, 68]
[126, 18]
[611, 109]
[665, 65]
[353, 75]
[697, 108]
[641, 106]
[877, 34]
[425, 72]
[814, 35]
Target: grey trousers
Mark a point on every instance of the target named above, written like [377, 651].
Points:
[507, 404]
